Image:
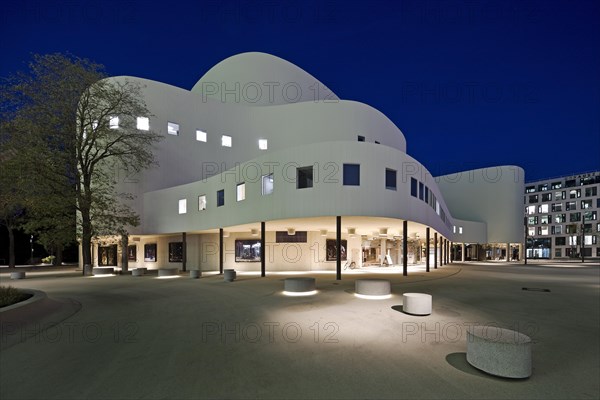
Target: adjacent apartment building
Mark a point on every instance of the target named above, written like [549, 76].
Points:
[561, 215]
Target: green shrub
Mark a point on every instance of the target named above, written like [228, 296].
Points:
[48, 260]
[9, 296]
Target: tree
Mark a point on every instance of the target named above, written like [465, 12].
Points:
[63, 114]
[11, 203]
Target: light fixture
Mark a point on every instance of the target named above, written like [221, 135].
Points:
[323, 232]
[383, 232]
[352, 232]
[373, 297]
[300, 294]
[254, 232]
[291, 231]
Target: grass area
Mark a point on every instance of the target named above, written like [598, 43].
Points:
[9, 296]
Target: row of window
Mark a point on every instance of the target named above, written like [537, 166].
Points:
[560, 229]
[421, 191]
[562, 195]
[575, 240]
[574, 252]
[557, 207]
[560, 218]
[586, 180]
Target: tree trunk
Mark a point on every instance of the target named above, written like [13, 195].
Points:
[86, 238]
[58, 256]
[11, 247]
[124, 259]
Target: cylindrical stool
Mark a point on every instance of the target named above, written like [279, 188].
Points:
[229, 275]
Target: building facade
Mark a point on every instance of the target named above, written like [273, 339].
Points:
[264, 168]
[561, 216]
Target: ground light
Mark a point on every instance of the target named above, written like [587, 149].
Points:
[300, 294]
[373, 297]
[168, 277]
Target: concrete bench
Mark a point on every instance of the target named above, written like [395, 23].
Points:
[138, 271]
[103, 271]
[499, 351]
[168, 272]
[194, 273]
[299, 285]
[229, 275]
[17, 275]
[372, 287]
[416, 303]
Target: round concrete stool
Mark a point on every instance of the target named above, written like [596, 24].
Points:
[137, 272]
[168, 272]
[194, 274]
[17, 275]
[103, 271]
[372, 287]
[299, 285]
[229, 275]
[416, 303]
[499, 351]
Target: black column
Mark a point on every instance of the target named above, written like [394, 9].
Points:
[220, 250]
[405, 248]
[338, 243]
[262, 248]
[124, 253]
[427, 249]
[442, 251]
[452, 252]
[435, 250]
[184, 255]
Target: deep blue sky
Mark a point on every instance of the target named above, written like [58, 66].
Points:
[470, 83]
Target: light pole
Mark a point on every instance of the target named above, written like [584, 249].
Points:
[31, 247]
[582, 241]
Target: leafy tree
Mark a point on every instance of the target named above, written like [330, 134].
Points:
[62, 114]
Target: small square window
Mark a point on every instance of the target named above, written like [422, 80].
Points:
[304, 177]
[113, 123]
[143, 123]
[201, 202]
[221, 198]
[172, 128]
[351, 174]
[262, 144]
[200, 136]
[182, 206]
[226, 141]
[390, 179]
[241, 191]
[361, 138]
[267, 184]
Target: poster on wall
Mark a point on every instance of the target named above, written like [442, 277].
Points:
[132, 252]
[150, 252]
[331, 250]
[176, 252]
[107, 255]
[247, 250]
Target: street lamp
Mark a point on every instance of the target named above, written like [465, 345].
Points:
[31, 246]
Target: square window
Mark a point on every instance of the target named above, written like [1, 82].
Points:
[361, 138]
[351, 175]
[390, 179]
[263, 144]
[200, 136]
[201, 202]
[113, 122]
[240, 191]
[226, 141]
[267, 184]
[172, 128]
[221, 198]
[182, 206]
[143, 123]
[304, 177]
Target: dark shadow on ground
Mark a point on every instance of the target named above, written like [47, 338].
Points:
[459, 361]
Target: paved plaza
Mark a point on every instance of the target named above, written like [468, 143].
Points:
[125, 337]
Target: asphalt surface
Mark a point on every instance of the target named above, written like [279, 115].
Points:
[143, 337]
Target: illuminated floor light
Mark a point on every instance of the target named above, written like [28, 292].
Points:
[103, 276]
[169, 277]
[373, 297]
[299, 294]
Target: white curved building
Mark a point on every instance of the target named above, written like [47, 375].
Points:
[263, 168]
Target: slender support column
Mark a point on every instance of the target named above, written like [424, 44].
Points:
[262, 249]
[508, 252]
[338, 243]
[462, 252]
[443, 245]
[452, 252]
[124, 258]
[405, 248]
[447, 251]
[435, 250]
[184, 255]
[221, 251]
[427, 249]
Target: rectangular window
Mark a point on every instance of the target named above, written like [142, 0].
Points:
[559, 195]
[426, 194]
[571, 182]
[571, 228]
[546, 219]
[591, 191]
[557, 229]
[543, 208]
[421, 190]
[240, 191]
[267, 184]
[530, 189]
[202, 202]
[587, 228]
[221, 198]
[571, 205]
[533, 198]
[543, 187]
[531, 231]
[585, 204]
[543, 230]
[390, 179]
[574, 193]
[557, 252]
[574, 217]
[226, 141]
[530, 210]
[460, 230]
[172, 128]
[532, 220]
[182, 206]
[113, 122]
[304, 177]
[200, 136]
[590, 216]
[351, 174]
[413, 187]
[560, 241]
[143, 123]
[556, 185]
[586, 180]
[361, 138]
[560, 218]
[556, 207]
[546, 196]
[263, 144]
